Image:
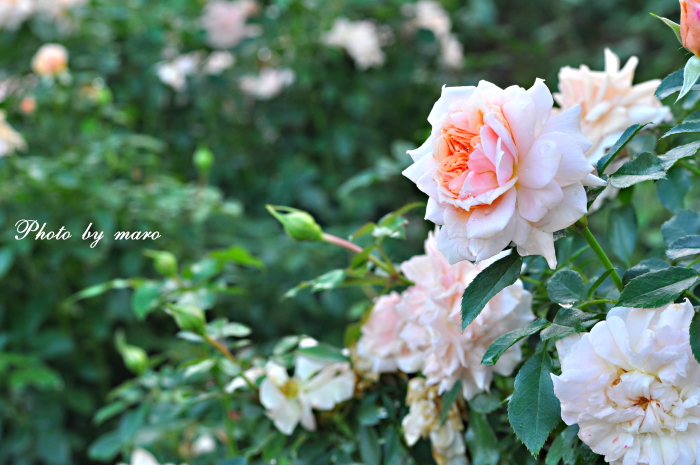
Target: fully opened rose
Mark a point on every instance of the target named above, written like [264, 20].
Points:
[633, 386]
[499, 168]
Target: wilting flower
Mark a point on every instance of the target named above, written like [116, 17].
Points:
[50, 60]
[174, 73]
[360, 39]
[609, 102]
[431, 16]
[633, 386]
[498, 169]
[10, 140]
[423, 420]
[315, 385]
[421, 329]
[225, 22]
[269, 83]
[142, 457]
[690, 25]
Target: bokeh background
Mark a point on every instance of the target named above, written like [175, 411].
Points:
[112, 144]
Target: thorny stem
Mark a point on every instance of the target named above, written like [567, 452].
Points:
[582, 227]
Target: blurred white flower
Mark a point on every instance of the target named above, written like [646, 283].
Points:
[269, 83]
[360, 39]
[174, 73]
[14, 12]
[422, 329]
[204, 444]
[432, 16]
[609, 102]
[217, 62]
[633, 386]
[10, 140]
[250, 375]
[225, 22]
[50, 60]
[423, 420]
[142, 457]
[315, 385]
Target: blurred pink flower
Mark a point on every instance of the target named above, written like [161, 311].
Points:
[225, 22]
[633, 386]
[269, 83]
[498, 169]
[361, 39]
[50, 60]
[690, 25]
[10, 140]
[14, 12]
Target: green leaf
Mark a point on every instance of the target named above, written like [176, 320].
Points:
[695, 336]
[646, 167]
[505, 342]
[366, 229]
[326, 281]
[685, 223]
[671, 84]
[563, 447]
[481, 440]
[657, 288]
[534, 410]
[624, 139]
[393, 224]
[369, 413]
[688, 245]
[108, 411]
[106, 447]
[622, 231]
[361, 258]
[565, 287]
[643, 267]
[672, 190]
[323, 352]
[678, 153]
[492, 280]
[369, 446]
[7, 258]
[188, 318]
[592, 192]
[144, 298]
[675, 27]
[238, 255]
[485, 402]
[683, 128]
[566, 321]
[448, 399]
[691, 73]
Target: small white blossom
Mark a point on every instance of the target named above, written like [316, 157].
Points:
[361, 39]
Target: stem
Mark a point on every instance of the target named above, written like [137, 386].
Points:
[593, 302]
[600, 253]
[690, 265]
[689, 167]
[331, 239]
[224, 350]
[530, 280]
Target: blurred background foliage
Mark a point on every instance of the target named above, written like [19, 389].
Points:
[114, 147]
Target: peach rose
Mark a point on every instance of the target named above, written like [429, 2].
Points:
[498, 169]
[50, 60]
[690, 25]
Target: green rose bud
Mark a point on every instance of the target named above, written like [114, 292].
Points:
[134, 357]
[165, 263]
[298, 224]
[188, 318]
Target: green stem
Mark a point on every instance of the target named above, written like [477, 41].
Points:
[593, 302]
[689, 167]
[690, 265]
[531, 281]
[600, 253]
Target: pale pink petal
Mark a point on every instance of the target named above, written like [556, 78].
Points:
[540, 165]
[534, 204]
[489, 220]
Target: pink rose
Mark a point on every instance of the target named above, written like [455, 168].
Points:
[498, 169]
[50, 60]
[690, 25]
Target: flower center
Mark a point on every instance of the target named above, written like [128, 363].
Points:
[452, 154]
[643, 403]
[290, 389]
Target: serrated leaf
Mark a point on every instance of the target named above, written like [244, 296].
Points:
[565, 287]
[683, 128]
[624, 139]
[492, 280]
[671, 84]
[566, 321]
[505, 342]
[622, 231]
[534, 410]
[481, 440]
[675, 27]
[448, 399]
[695, 336]
[685, 223]
[646, 167]
[688, 245]
[658, 288]
[678, 153]
[691, 73]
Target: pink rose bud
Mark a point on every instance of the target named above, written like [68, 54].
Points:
[690, 25]
[50, 60]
